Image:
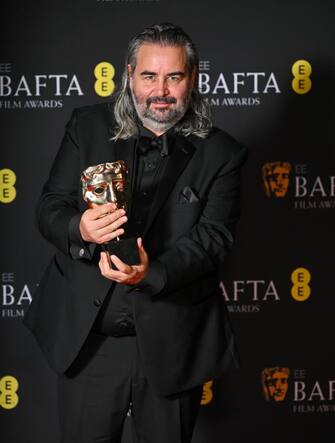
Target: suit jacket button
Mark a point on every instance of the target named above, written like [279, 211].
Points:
[81, 252]
[97, 302]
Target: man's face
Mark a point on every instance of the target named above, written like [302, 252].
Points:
[160, 84]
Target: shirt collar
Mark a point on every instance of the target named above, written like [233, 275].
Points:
[167, 138]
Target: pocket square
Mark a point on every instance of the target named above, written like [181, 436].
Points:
[187, 196]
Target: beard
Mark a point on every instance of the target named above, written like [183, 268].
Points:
[160, 119]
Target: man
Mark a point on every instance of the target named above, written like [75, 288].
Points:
[143, 336]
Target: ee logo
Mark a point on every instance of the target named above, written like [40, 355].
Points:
[207, 393]
[7, 182]
[8, 396]
[301, 290]
[301, 70]
[104, 73]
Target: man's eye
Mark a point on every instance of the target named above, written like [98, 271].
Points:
[149, 77]
[175, 78]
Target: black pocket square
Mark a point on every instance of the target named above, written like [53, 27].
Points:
[187, 196]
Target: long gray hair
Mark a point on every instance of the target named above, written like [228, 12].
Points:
[197, 119]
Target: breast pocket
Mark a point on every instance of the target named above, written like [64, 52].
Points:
[187, 207]
[188, 195]
[187, 211]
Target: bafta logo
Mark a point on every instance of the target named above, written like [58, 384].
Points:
[275, 383]
[276, 177]
[207, 392]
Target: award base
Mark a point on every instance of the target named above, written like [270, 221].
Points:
[125, 249]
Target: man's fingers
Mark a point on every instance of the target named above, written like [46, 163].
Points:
[100, 211]
[108, 237]
[108, 272]
[123, 267]
[103, 263]
[142, 252]
[111, 226]
[90, 230]
[107, 219]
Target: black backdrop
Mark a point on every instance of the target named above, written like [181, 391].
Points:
[278, 282]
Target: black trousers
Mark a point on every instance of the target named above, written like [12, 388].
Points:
[105, 383]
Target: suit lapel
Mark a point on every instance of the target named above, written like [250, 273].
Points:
[182, 153]
[125, 150]
[112, 151]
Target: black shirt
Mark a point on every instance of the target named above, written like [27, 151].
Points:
[116, 315]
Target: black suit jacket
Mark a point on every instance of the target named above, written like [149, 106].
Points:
[181, 321]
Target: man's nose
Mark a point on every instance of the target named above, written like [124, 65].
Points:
[162, 89]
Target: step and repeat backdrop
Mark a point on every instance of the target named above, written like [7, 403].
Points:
[267, 69]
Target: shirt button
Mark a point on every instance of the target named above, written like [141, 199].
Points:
[97, 302]
[81, 252]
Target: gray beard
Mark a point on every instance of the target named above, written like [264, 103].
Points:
[152, 121]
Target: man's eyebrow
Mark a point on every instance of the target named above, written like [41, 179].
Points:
[148, 73]
[155, 73]
[177, 73]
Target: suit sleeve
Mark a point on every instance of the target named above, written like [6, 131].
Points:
[202, 250]
[57, 213]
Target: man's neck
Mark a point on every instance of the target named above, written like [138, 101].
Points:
[158, 132]
[154, 131]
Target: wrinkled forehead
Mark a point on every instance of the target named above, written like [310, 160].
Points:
[153, 57]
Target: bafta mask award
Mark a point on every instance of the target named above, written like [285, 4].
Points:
[105, 183]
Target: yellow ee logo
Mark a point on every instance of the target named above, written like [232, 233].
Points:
[207, 393]
[301, 70]
[301, 290]
[7, 182]
[8, 396]
[104, 73]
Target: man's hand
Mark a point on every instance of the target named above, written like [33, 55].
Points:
[126, 274]
[102, 224]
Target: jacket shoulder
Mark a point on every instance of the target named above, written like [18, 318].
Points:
[220, 145]
[220, 139]
[92, 115]
[95, 109]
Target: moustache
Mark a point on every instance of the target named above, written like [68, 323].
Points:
[162, 100]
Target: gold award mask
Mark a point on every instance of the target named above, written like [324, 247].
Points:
[105, 183]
